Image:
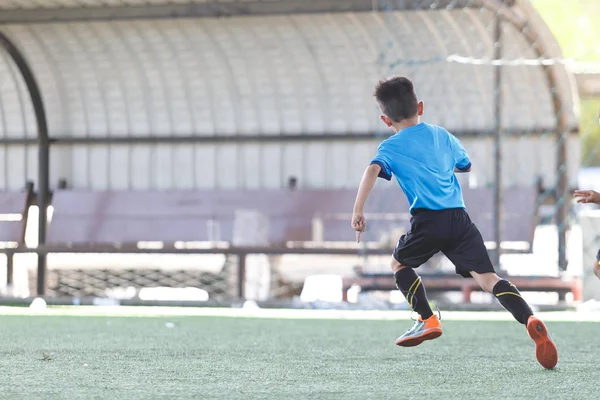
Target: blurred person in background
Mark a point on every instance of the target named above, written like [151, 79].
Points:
[586, 197]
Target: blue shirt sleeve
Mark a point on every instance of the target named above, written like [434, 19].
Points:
[461, 158]
[383, 161]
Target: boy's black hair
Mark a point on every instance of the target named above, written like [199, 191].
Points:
[397, 98]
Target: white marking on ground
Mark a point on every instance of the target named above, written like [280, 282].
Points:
[123, 311]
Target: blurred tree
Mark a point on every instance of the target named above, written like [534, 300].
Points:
[576, 25]
[590, 131]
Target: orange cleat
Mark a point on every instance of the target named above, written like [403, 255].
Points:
[422, 330]
[545, 349]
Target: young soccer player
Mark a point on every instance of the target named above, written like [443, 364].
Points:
[424, 158]
[590, 196]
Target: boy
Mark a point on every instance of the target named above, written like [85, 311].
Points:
[590, 196]
[424, 158]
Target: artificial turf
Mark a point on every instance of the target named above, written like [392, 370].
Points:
[101, 357]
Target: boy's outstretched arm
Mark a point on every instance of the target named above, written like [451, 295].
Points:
[359, 222]
[587, 196]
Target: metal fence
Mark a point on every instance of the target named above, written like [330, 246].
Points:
[280, 89]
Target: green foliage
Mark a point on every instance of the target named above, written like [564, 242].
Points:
[576, 25]
[590, 132]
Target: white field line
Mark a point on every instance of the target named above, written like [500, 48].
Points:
[124, 311]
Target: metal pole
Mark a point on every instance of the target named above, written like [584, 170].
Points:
[562, 197]
[10, 257]
[44, 150]
[498, 189]
[241, 274]
[42, 201]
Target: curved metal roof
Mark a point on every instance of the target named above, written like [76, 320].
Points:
[230, 7]
[269, 75]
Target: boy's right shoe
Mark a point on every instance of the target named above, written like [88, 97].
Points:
[422, 330]
[545, 349]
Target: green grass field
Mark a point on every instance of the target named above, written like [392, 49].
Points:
[204, 357]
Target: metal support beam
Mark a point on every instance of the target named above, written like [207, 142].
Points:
[279, 138]
[563, 200]
[43, 149]
[212, 9]
[241, 274]
[498, 185]
[10, 258]
[132, 248]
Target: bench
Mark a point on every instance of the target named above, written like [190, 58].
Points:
[13, 220]
[13, 215]
[88, 217]
[519, 212]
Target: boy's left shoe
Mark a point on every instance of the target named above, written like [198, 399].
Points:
[422, 330]
[545, 349]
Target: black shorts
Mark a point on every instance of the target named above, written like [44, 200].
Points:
[450, 231]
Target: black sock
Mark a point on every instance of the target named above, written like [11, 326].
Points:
[412, 288]
[510, 298]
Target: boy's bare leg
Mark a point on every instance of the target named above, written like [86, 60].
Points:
[510, 298]
[427, 326]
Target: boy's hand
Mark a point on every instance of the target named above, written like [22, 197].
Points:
[587, 196]
[597, 270]
[366, 185]
[359, 223]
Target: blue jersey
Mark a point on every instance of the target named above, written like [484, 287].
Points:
[423, 158]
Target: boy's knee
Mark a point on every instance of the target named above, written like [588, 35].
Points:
[486, 281]
[396, 266]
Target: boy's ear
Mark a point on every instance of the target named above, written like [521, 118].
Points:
[386, 120]
[420, 108]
